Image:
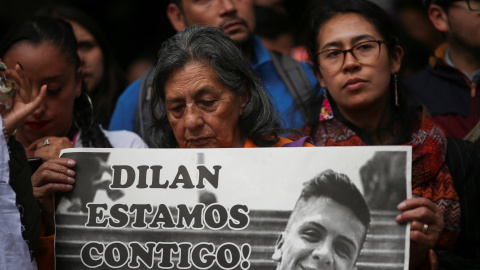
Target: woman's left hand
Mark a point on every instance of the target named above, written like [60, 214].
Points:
[426, 226]
[50, 149]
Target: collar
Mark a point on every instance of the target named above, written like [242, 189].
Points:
[260, 53]
[448, 60]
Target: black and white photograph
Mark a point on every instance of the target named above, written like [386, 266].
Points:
[277, 208]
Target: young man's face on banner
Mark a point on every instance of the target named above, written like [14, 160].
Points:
[322, 234]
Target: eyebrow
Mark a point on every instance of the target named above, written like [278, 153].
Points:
[198, 93]
[353, 40]
[340, 236]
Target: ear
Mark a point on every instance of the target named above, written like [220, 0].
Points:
[78, 82]
[438, 17]
[396, 60]
[244, 99]
[176, 17]
[319, 76]
[277, 254]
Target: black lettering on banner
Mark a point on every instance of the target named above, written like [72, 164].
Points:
[239, 218]
[96, 219]
[117, 176]
[145, 255]
[116, 254]
[216, 216]
[182, 177]
[163, 218]
[228, 256]
[119, 216]
[203, 256]
[184, 256]
[204, 173]
[156, 178]
[166, 249]
[140, 210]
[142, 177]
[88, 253]
[186, 218]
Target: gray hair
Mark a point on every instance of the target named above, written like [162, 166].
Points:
[208, 45]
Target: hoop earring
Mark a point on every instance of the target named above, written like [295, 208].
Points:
[326, 112]
[83, 96]
[395, 81]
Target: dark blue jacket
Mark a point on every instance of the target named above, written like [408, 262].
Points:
[448, 94]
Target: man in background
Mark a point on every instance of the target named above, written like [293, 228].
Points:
[289, 82]
[448, 85]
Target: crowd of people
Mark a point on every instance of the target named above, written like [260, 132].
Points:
[216, 85]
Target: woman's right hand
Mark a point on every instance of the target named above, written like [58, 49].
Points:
[23, 105]
[55, 175]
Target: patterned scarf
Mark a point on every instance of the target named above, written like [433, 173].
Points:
[431, 177]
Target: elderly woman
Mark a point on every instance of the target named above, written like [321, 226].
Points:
[212, 97]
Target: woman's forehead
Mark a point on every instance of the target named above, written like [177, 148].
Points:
[346, 28]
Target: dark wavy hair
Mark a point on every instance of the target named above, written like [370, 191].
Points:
[113, 81]
[402, 119]
[260, 121]
[59, 34]
[339, 188]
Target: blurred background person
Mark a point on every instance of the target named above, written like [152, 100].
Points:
[448, 85]
[19, 211]
[102, 76]
[46, 49]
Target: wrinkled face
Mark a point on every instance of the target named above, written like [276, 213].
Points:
[202, 111]
[464, 25]
[235, 17]
[91, 56]
[356, 87]
[45, 64]
[323, 234]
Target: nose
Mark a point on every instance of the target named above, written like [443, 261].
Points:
[192, 118]
[323, 256]
[81, 56]
[350, 63]
[227, 7]
[41, 109]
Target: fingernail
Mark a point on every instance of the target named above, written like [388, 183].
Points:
[69, 187]
[402, 206]
[71, 172]
[21, 67]
[398, 217]
[71, 180]
[71, 162]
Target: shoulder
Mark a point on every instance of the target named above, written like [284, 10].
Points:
[124, 139]
[282, 142]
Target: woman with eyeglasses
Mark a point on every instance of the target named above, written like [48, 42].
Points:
[356, 56]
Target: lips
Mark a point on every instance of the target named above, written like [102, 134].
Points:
[354, 83]
[37, 124]
[233, 26]
[198, 142]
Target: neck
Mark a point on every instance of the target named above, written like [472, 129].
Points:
[369, 120]
[247, 48]
[465, 59]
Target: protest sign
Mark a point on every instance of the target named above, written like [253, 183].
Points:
[230, 208]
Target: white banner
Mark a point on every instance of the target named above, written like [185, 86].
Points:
[233, 209]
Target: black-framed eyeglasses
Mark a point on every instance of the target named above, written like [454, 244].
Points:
[365, 52]
[473, 5]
